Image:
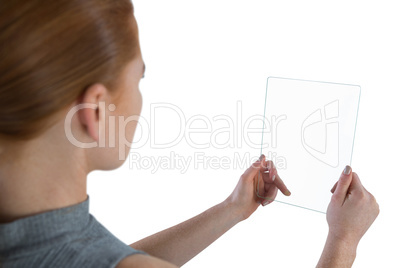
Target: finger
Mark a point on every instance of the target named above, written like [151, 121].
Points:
[269, 165]
[358, 178]
[253, 169]
[356, 184]
[270, 196]
[268, 177]
[334, 187]
[343, 183]
[281, 185]
[270, 189]
[270, 171]
[260, 186]
[263, 161]
[268, 186]
[272, 192]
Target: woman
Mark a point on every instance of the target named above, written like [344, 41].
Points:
[66, 68]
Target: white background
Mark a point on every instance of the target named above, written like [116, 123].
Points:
[203, 57]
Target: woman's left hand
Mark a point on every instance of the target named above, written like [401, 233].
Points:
[244, 197]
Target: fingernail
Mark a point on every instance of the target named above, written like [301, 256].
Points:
[288, 193]
[261, 157]
[273, 178]
[347, 170]
[266, 202]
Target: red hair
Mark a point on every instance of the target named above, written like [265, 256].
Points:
[51, 51]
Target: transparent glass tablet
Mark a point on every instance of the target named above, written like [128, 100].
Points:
[308, 133]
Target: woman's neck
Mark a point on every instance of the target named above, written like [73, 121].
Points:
[39, 176]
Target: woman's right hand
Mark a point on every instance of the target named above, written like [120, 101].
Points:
[352, 209]
[350, 213]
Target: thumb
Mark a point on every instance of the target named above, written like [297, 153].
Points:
[253, 169]
[343, 183]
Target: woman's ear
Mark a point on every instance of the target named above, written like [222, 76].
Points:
[91, 115]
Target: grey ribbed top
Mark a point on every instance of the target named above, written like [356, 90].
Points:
[66, 237]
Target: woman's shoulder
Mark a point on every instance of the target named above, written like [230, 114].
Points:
[66, 237]
[100, 247]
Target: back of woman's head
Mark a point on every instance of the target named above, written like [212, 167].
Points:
[51, 51]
